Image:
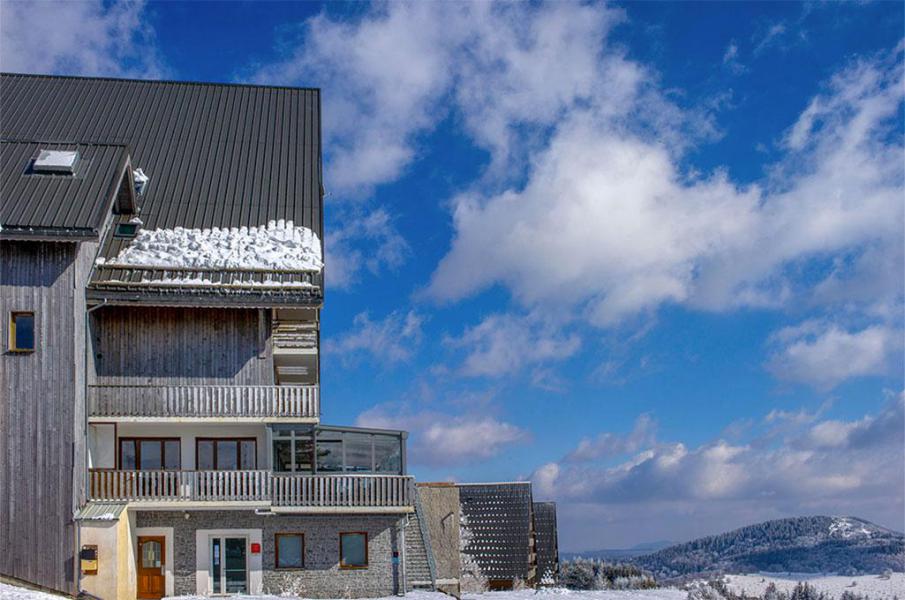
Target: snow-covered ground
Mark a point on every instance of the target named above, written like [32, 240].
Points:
[8, 592]
[866, 585]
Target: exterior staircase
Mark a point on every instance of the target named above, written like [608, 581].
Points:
[419, 569]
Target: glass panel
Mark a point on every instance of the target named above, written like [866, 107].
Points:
[282, 455]
[353, 549]
[150, 555]
[236, 580]
[150, 457]
[304, 453]
[127, 455]
[388, 454]
[289, 551]
[216, 572]
[205, 458]
[227, 455]
[329, 455]
[171, 452]
[25, 332]
[248, 449]
[358, 452]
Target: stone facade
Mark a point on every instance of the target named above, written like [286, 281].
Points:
[321, 577]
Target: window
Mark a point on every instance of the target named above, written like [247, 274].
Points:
[150, 454]
[56, 161]
[293, 449]
[125, 230]
[290, 550]
[226, 454]
[22, 332]
[353, 550]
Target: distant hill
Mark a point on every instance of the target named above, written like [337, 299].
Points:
[618, 554]
[845, 545]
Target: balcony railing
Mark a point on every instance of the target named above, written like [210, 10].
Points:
[341, 490]
[282, 490]
[204, 401]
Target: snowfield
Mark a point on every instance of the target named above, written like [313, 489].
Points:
[866, 585]
[280, 245]
[8, 592]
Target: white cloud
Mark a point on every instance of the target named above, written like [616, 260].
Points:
[90, 37]
[824, 355]
[770, 37]
[389, 340]
[401, 68]
[362, 241]
[834, 467]
[609, 223]
[609, 444]
[503, 344]
[442, 439]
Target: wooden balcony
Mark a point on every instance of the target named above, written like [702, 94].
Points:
[202, 402]
[282, 492]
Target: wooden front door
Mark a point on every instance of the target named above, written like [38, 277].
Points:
[151, 566]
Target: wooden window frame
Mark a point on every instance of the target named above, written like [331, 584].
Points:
[276, 549]
[367, 557]
[11, 346]
[198, 440]
[138, 441]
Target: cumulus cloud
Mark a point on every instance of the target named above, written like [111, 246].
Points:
[391, 339]
[441, 439]
[609, 223]
[361, 241]
[504, 344]
[833, 466]
[823, 355]
[91, 37]
[609, 444]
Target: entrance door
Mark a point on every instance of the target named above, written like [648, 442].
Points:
[151, 567]
[229, 565]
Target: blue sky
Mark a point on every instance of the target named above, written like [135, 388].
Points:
[648, 255]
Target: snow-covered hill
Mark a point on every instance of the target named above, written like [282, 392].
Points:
[844, 545]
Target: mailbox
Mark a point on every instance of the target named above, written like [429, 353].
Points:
[88, 559]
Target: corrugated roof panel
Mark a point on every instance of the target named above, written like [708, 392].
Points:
[57, 204]
[101, 511]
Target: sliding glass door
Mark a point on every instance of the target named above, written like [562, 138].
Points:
[229, 565]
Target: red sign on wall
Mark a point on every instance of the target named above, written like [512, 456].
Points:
[255, 548]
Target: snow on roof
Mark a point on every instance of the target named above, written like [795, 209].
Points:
[279, 246]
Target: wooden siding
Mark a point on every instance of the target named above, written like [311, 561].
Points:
[204, 401]
[42, 413]
[201, 346]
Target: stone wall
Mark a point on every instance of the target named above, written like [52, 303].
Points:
[321, 577]
[440, 508]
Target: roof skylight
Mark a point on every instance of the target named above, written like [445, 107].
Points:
[56, 161]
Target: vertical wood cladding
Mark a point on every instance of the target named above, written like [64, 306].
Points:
[42, 411]
[180, 346]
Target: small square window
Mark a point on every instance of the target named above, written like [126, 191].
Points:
[126, 230]
[290, 551]
[353, 550]
[22, 332]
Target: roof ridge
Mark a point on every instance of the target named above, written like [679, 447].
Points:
[6, 140]
[163, 81]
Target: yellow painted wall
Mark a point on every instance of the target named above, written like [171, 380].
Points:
[115, 579]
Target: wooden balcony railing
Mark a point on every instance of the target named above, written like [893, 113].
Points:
[341, 490]
[198, 486]
[285, 490]
[204, 401]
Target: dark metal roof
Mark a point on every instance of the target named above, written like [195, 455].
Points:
[498, 516]
[547, 542]
[218, 155]
[58, 205]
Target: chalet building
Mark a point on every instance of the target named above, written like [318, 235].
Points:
[161, 282]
